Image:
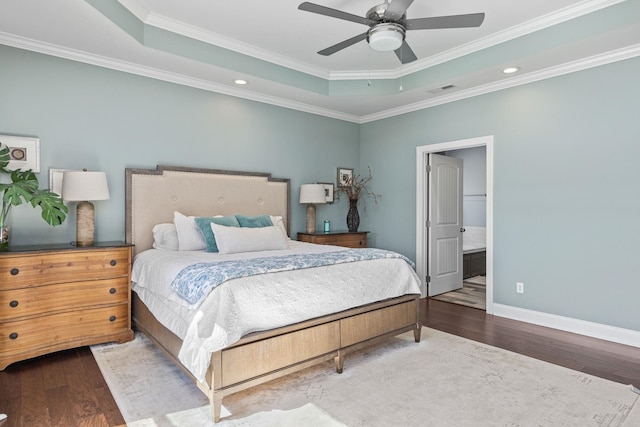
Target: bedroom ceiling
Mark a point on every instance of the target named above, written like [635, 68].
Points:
[208, 44]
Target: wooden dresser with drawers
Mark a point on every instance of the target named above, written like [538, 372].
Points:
[55, 297]
[349, 239]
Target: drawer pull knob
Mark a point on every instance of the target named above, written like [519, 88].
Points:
[112, 319]
[112, 290]
[13, 335]
[13, 303]
[113, 262]
[15, 271]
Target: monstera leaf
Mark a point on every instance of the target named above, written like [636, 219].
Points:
[23, 188]
[4, 158]
[54, 212]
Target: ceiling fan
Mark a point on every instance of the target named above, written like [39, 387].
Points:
[388, 26]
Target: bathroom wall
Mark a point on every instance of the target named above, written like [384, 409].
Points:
[474, 200]
[474, 185]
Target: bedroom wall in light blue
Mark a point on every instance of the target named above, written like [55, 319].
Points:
[566, 188]
[96, 118]
[566, 175]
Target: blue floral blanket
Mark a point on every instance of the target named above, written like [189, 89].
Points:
[195, 282]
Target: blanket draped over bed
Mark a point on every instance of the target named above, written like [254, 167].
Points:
[196, 281]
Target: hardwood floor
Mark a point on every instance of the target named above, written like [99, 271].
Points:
[61, 389]
[67, 388]
[605, 359]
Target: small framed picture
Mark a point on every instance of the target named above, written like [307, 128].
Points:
[24, 152]
[328, 191]
[344, 176]
[55, 180]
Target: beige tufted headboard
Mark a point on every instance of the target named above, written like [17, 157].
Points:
[152, 195]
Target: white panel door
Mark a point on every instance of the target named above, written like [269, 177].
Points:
[444, 224]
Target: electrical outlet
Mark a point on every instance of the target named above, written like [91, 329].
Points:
[520, 288]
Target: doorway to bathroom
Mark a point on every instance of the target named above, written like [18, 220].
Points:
[463, 261]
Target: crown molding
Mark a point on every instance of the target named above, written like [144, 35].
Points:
[549, 20]
[567, 68]
[208, 37]
[178, 27]
[101, 61]
[137, 8]
[131, 68]
[196, 33]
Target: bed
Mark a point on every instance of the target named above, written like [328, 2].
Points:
[244, 360]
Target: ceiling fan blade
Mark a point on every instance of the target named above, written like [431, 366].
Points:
[343, 44]
[396, 9]
[453, 21]
[405, 54]
[327, 11]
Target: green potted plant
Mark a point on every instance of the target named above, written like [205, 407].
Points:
[21, 186]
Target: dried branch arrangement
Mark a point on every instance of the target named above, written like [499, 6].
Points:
[356, 186]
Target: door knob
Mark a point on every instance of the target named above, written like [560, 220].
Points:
[462, 230]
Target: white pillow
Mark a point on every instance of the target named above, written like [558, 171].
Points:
[165, 237]
[279, 222]
[189, 237]
[231, 240]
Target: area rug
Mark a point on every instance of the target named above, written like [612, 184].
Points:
[443, 381]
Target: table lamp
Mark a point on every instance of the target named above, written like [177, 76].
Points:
[84, 187]
[312, 194]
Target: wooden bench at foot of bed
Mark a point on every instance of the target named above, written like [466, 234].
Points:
[263, 356]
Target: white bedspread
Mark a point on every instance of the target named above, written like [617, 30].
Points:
[263, 302]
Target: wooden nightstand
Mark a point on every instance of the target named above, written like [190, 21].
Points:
[356, 239]
[55, 297]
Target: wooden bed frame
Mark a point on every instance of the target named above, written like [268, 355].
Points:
[152, 195]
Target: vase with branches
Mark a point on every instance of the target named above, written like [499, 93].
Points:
[355, 187]
[21, 186]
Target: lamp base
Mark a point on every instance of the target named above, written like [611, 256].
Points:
[311, 218]
[85, 224]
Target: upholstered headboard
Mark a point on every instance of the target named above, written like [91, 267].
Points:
[152, 196]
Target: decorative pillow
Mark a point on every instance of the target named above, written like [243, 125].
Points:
[254, 221]
[165, 237]
[204, 225]
[189, 236]
[278, 221]
[232, 240]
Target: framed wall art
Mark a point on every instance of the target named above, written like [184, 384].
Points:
[24, 152]
[344, 176]
[328, 191]
[55, 179]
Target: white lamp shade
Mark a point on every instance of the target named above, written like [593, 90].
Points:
[80, 186]
[312, 193]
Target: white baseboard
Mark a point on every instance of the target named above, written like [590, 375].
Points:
[576, 326]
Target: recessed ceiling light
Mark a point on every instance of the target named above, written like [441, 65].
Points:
[511, 70]
[240, 82]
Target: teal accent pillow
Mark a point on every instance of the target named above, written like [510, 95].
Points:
[204, 225]
[254, 221]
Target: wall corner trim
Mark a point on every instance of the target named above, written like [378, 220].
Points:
[568, 324]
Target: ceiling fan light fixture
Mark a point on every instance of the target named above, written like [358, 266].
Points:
[386, 37]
